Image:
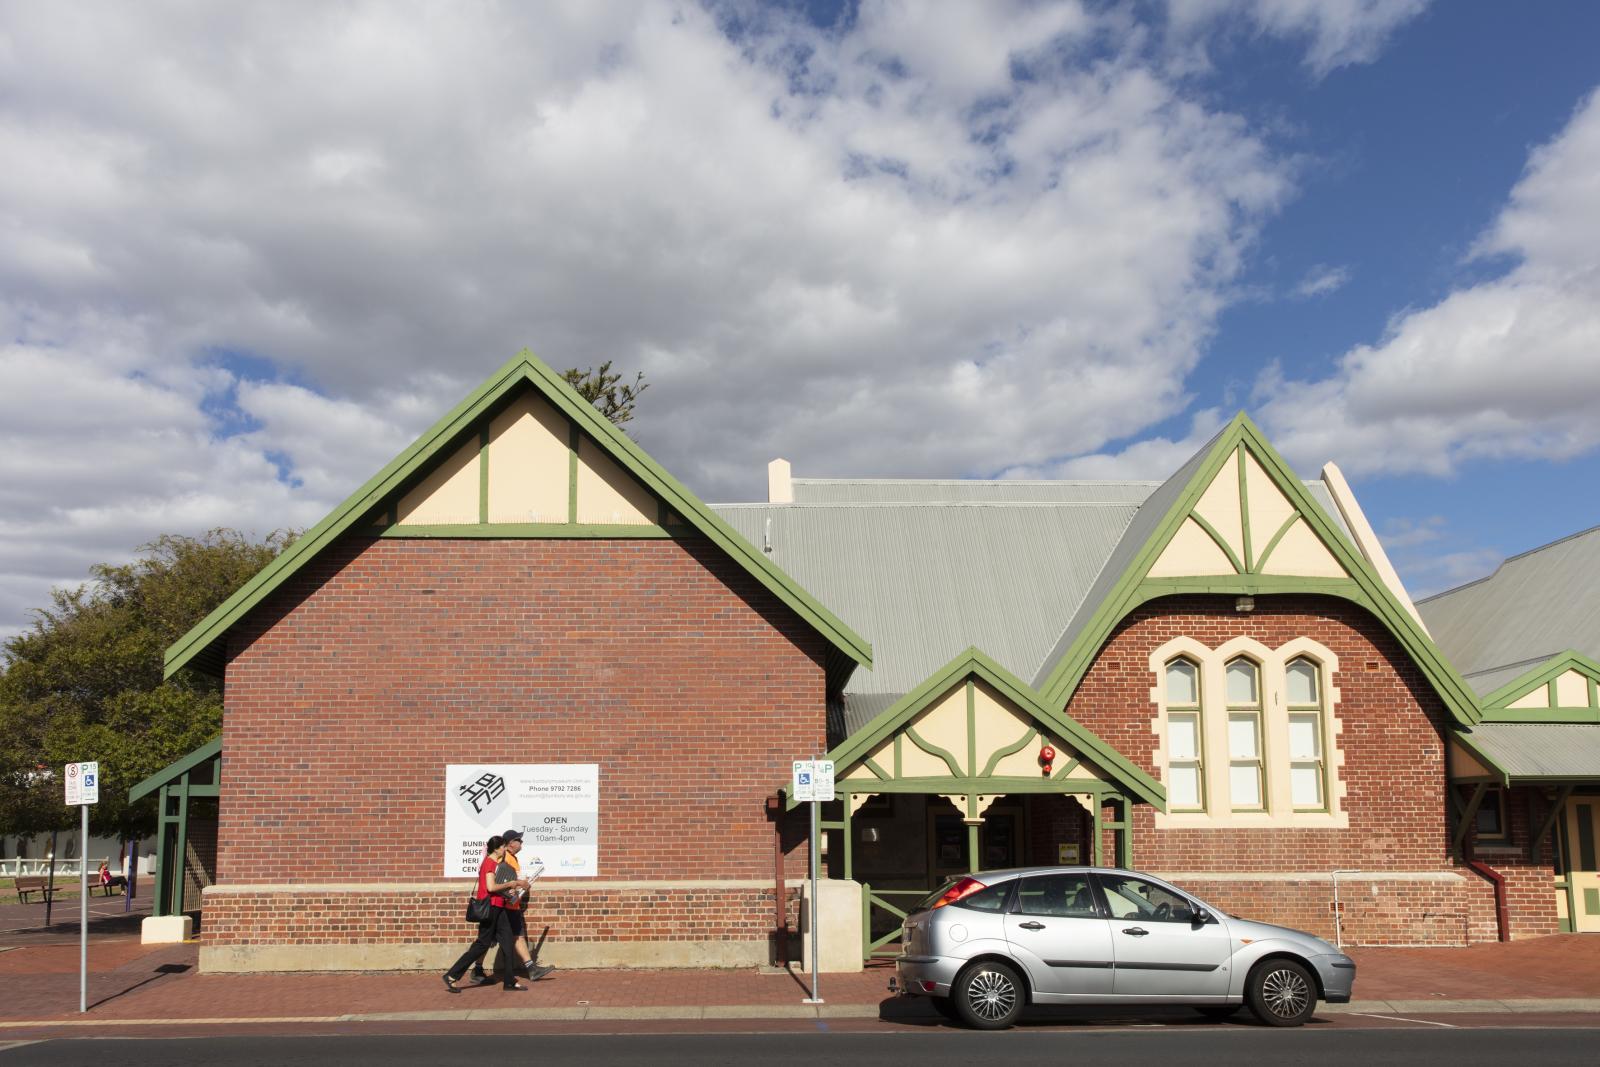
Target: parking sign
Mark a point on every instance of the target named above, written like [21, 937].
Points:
[83, 783]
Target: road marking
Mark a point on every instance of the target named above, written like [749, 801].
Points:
[1398, 1019]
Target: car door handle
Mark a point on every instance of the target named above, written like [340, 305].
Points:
[1030, 926]
[1136, 931]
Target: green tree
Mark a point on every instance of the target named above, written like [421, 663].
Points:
[605, 389]
[84, 682]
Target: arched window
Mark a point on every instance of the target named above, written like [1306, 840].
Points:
[1246, 780]
[1185, 750]
[1308, 775]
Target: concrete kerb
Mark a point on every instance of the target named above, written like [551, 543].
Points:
[616, 1013]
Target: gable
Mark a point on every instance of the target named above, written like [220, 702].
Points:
[491, 467]
[973, 728]
[1235, 520]
[1563, 689]
[525, 464]
[1243, 523]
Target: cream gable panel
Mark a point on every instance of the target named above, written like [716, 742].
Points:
[606, 495]
[1269, 508]
[943, 724]
[1219, 506]
[1302, 554]
[1191, 552]
[448, 496]
[998, 724]
[1538, 697]
[1572, 690]
[528, 461]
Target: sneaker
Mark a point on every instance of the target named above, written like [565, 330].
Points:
[539, 971]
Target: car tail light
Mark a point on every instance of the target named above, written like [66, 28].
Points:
[960, 891]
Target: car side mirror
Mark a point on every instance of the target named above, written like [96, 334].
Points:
[1201, 916]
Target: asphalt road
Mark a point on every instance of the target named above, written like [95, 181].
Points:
[1532, 1047]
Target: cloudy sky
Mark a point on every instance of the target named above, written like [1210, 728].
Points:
[250, 250]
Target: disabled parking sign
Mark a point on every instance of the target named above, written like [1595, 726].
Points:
[83, 783]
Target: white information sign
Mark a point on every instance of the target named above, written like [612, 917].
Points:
[822, 776]
[83, 783]
[812, 780]
[555, 805]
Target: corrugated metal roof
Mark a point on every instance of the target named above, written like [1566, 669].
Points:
[1532, 607]
[998, 491]
[924, 582]
[939, 491]
[925, 569]
[1542, 750]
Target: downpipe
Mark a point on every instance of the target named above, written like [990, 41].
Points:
[1502, 916]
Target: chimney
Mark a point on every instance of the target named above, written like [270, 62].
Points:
[780, 486]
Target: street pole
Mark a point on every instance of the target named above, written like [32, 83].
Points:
[814, 998]
[83, 912]
[50, 883]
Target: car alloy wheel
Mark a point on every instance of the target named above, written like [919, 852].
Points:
[989, 996]
[1281, 993]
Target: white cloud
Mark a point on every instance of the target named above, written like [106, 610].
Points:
[879, 249]
[1335, 33]
[1321, 280]
[1507, 368]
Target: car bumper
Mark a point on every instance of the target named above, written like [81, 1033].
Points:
[924, 976]
[1337, 974]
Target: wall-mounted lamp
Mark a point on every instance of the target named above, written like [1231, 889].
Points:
[1245, 603]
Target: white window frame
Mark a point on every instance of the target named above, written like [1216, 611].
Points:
[1197, 712]
[1279, 809]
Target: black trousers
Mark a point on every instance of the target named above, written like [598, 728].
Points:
[495, 931]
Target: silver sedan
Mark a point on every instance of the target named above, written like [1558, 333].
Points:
[985, 946]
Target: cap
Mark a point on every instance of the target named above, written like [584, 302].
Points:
[512, 835]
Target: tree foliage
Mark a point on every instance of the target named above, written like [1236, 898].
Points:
[605, 389]
[84, 682]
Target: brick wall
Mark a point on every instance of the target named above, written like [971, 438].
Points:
[1393, 741]
[349, 691]
[388, 915]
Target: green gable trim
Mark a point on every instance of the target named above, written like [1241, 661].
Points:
[173, 771]
[1545, 675]
[1363, 588]
[203, 646]
[974, 664]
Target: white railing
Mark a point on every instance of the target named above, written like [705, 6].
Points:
[66, 870]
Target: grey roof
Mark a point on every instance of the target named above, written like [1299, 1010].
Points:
[924, 582]
[1534, 606]
[1558, 751]
[991, 491]
[927, 569]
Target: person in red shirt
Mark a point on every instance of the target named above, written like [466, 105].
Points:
[496, 930]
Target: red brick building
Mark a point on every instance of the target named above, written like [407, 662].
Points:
[1221, 687]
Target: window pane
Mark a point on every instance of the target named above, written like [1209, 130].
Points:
[1181, 683]
[991, 899]
[1488, 820]
[1244, 737]
[1305, 740]
[1065, 895]
[1135, 898]
[1183, 786]
[1244, 785]
[1241, 682]
[1305, 785]
[1302, 682]
[1183, 737]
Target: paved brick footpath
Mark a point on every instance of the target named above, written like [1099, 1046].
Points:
[130, 981]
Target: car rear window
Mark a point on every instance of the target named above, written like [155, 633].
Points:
[991, 899]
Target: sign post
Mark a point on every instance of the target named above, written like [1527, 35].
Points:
[83, 789]
[813, 781]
